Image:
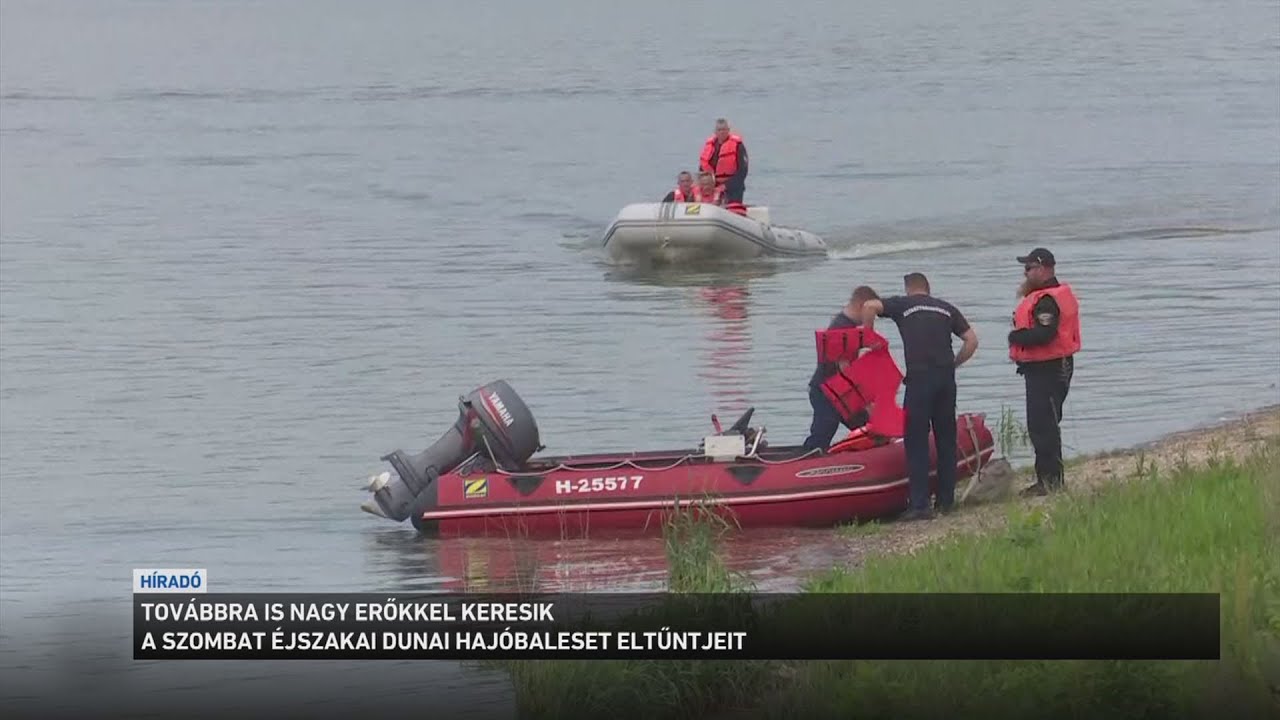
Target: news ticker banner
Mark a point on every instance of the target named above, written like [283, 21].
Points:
[260, 626]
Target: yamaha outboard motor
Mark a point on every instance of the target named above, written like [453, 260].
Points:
[492, 420]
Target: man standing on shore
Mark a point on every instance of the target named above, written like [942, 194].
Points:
[1043, 343]
[927, 324]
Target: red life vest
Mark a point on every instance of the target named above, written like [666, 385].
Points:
[726, 161]
[871, 380]
[677, 195]
[887, 418]
[843, 343]
[698, 196]
[1066, 342]
[736, 207]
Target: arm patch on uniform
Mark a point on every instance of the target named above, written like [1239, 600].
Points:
[1045, 318]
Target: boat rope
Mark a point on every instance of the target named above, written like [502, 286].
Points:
[565, 466]
[975, 469]
[784, 461]
[977, 454]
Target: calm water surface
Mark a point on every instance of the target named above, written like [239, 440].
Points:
[248, 247]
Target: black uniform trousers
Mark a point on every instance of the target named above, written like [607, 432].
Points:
[826, 420]
[930, 402]
[1047, 387]
[734, 189]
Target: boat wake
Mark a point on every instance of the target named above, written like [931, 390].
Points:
[868, 242]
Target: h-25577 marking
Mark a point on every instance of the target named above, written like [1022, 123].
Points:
[599, 484]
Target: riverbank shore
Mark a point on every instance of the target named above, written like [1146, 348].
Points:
[1197, 511]
[1087, 474]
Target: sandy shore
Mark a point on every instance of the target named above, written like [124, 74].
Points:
[1235, 439]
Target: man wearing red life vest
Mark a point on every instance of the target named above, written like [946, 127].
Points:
[684, 189]
[725, 156]
[1043, 343]
[706, 190]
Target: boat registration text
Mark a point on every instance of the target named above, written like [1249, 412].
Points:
[599, 484]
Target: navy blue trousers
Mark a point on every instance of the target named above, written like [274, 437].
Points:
[930, 403]
[826, 421]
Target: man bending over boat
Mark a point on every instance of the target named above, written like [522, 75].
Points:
[826, 419]
[684, 189]
[725, 156]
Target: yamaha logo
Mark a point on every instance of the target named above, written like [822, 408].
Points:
[503, 414]
[829, 471]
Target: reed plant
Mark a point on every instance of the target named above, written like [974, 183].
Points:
[621, 689]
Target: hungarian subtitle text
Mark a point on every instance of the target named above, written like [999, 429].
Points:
[387, 629]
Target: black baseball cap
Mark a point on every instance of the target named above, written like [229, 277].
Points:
[1039, 255]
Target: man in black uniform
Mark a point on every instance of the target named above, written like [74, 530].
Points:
[1043, 343]
[927, 324]
[826, 421]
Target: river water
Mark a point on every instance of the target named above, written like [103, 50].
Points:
[248, 247]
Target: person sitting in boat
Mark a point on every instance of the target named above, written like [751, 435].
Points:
[725, 156]
[706, 191]
[684, 189]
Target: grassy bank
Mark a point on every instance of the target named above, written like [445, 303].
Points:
[1186, 529]
[1204, 517]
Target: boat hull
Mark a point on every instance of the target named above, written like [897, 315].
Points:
[689, 232]
[571, 496]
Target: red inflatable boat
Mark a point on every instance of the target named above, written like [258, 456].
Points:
[481, 478]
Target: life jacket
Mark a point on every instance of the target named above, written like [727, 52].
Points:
[887, 418]
[1065, 342]
[678, 195]
[871, 380]
[726, 161]
[714, 199]
[736, 207]
[837, 344]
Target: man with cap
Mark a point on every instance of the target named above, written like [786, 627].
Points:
[1044, 340]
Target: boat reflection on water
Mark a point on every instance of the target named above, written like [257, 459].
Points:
[725, 358]
[722, 292]
[773, 559]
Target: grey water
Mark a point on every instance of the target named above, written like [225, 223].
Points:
[248, 247]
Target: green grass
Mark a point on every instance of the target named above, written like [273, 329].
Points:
[1212, 528]
[1011, 435]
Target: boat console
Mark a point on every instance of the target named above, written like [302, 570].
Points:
[739, 440]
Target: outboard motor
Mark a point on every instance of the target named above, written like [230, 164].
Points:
[492, 420]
